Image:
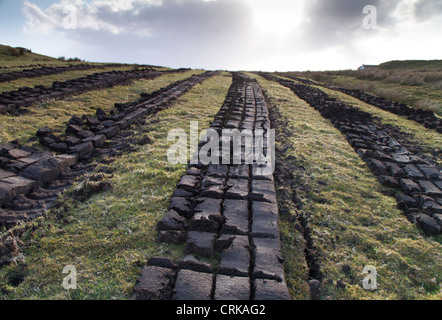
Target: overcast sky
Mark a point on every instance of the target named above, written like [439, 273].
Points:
[263, 35]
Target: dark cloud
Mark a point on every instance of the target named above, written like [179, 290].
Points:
[425, 9]
[344, 13]
[185, 19]
[175, 32]
[333, 22]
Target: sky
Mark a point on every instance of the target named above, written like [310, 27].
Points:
[258, 35]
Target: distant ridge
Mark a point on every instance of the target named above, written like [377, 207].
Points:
[429, 65]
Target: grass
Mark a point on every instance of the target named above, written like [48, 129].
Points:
[109, 237]
[56, 113]
[354, 223]
[17, 59]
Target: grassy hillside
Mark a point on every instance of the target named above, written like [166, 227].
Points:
[8, 53]
[428, 65]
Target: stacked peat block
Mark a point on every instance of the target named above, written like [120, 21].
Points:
[25, 96]
[425, 117]
[391, 162]
[227, 211]
[86, 133]
[45, 71]
[165, 95]
[24, 171]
